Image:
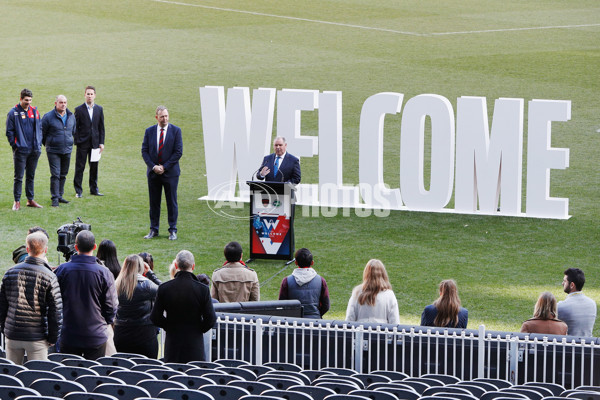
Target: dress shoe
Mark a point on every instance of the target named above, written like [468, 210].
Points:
[55, 203]
[78, 195]
[172, 236]
[151, 234]
[33, 203]
[61, 200]
[16, 206]
[96, 194]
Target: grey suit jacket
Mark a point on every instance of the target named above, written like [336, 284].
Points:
[579, 313]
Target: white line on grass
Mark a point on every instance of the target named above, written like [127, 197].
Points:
[178, 3]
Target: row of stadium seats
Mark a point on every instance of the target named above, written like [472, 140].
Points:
[130, 376]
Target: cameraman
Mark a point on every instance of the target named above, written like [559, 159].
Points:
[89, 300]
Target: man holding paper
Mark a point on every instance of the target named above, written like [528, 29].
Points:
[89, 139]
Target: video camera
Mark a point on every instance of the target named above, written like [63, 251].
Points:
[66, 237]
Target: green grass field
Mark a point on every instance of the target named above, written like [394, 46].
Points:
[142, 53]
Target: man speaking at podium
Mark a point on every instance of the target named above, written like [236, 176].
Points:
[280, 166]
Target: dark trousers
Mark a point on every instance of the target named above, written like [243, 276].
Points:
[24, 162]
[59, 168]
[82, 156]
[89, 353]
[137, 339]
[156, 184]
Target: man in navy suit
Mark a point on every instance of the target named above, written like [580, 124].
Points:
[280, 166]
[162, 148]
[89, 134]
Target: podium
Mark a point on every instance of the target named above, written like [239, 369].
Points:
[271, 220]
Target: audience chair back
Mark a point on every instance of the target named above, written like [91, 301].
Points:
[59, 357]
[446, 379]
[555, 388]
[155, 386]
[287, 395]
[393, 375]
[251, 386]
[258, 369]
[29, 376]
[368, 379]
[498, 394]
[8, 380]
[72, 373]
[192, 382]
[12, 392]
[88, 396]
[225, 362]
[76, 362]
[116, 362]
[280, 383]
[316, 392]
[41, 365]
[219, 392]
[237, 371]
[11, 369]
[92, 381]
[105, 370]
[405, 394]
[160, 373]
[283, 366]
[122, 392]
[299, 376]
[222, 379]
[373, 394]
[56, 388]
[338, 387]
[131, 377]
[184, 394]
[146, 361]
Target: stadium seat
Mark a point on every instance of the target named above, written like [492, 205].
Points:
[242, 373]
[498, 395]
[181, 367]
[289, 374]
[55, 387]
[555, 388]
[393, 375]
[313, 374]
[345, 397]
[340, 371]
[61, 356]
[76, 362]
[340, 378]
[192, 382]
[529, 393]
[260, 397]
[160, 373]
[317, 393]
[405, 394]
[91, 381]
[231, 363]
[279, 382]
[584, 395]
[147, 367]
[555, 398]
[88, 396]
[368, 379]
[257, 369]
[105, 370]
[29, 376]
[499, 383]
[475, 390]
[12, 392]
[222, 379]
[224, 392]
[428, 381]
[283, 366]
[437, 398]
[8, 380]
[41, 365]
[487, 386]
[419, 387]
[71, 373]
[122, 392]
[374, 394]
[155, 386]
[205, 364]
[128, 355]
[544, 392]
[11, 369]
[446, 379]
[146, 361]
[446, 389]
[339, 387]
[584, 387]
[131, 377]
[287, 394]
[251, 386]
[184, 394]
[116, 361]
[392, 384]
[5, 360]
[455, 396]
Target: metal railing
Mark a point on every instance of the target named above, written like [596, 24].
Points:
[466, 354]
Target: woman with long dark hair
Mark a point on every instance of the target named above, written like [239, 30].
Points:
[446, 311]
[107, 253]
[373, 300]
[545, 317]
[134, 332]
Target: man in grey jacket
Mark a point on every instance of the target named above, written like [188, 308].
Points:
[58, 128]
[578, 311]
[30, 304]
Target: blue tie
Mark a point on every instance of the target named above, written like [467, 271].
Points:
[276, 168]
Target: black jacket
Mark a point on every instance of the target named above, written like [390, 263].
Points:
[136, 311]
[30, 302]
[189, 314]
[89, 133]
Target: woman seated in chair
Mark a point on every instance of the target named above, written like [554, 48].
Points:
[446, 311]
[544, 317]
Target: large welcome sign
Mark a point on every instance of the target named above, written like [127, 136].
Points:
[480, 164]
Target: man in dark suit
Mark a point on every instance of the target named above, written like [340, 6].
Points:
[280, 166]
[89, 134]
[189, 312]
[162, 148]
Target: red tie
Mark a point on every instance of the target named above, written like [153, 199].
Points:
[161, 144]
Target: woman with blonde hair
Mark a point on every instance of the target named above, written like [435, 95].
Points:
[544, 317]
[446, 311]
[373, 300]
[134, 332]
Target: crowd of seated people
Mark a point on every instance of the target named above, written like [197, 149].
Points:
[106, 307]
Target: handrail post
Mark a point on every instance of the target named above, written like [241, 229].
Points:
[358, 348]
[481, 352]
[258, 342]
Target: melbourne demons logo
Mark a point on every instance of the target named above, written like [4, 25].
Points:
[270, 231]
